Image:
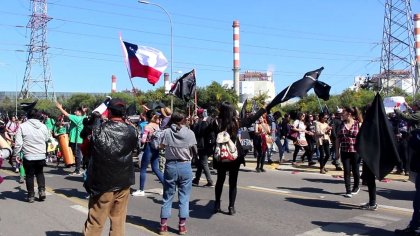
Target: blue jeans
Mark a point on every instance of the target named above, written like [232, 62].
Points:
[280, 147]
[151, 156]
[177, 174]
[415, 220]
[286, 145]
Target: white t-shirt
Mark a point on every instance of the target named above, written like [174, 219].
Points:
[298, 124]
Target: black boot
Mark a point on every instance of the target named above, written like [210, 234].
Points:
[31, 197]
[42, 194]
[232, 211]
[217, 207]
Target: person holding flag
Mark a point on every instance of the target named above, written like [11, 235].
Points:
[414, 119]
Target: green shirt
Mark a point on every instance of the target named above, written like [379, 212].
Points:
[76, 126]
[50, 124]
[58, 130]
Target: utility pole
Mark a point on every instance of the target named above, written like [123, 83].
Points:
[37, 76]
[397, 58]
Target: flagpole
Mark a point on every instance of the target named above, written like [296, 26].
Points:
[124, 53]
[319, 102]
[170, 23]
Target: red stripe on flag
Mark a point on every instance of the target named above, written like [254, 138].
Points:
[139, 70]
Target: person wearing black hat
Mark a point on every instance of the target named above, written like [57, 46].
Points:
[31, 138]
[110, 172]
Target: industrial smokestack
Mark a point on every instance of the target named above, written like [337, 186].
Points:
[166, 83]
[236, 56]
[417, 49]
[114, 84]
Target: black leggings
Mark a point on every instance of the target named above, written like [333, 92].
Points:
[222, 168]
[324, 153]
[351, 164]
[307, 153]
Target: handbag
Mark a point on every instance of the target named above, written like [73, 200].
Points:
[292, 135]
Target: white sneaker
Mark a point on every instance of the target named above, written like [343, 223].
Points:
[138, 193]
[348, 195]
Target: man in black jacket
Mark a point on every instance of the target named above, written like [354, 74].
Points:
[203, 135]
[110, 172]
[413, 119]
[336, 125]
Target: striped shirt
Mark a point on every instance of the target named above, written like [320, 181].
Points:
[347, 137]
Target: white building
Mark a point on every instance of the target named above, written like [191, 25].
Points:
[227, 84]
[252, 83]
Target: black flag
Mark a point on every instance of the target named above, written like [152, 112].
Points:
[131, 110]
[184, 87]
[376, 142]
[28, 106]
[154, 105]
[322, 90]
[298, 88]
[242, 115]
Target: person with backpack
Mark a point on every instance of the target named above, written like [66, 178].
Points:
[229, 122]
[205, 141]
[151, 152]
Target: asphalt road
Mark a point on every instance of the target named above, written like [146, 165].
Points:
[285, 201]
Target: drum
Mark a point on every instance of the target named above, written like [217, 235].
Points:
[68, 157]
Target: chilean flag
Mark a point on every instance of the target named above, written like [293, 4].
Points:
[144, 62]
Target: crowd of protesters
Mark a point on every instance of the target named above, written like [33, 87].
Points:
[185, 139]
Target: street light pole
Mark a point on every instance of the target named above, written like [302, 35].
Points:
[171, 45]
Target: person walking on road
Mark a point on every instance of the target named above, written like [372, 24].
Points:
[228, 121]
[301, 142]
[110, 172]
[150, 154]
[180, 147]
[323, 141]
[31, 139]
[76, 127]
[203, 135]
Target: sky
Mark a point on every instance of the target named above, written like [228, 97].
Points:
[288, 38]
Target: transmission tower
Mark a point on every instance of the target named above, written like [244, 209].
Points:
[398, 54]
[37, 79]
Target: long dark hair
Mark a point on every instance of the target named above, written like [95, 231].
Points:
[355, 113]
[177, 118]
[228, 118]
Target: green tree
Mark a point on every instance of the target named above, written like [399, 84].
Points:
[7, 107]
[214, 94]
[79, 100]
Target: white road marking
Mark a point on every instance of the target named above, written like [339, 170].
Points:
[80, 208]
[396, 208]
[268, 189]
